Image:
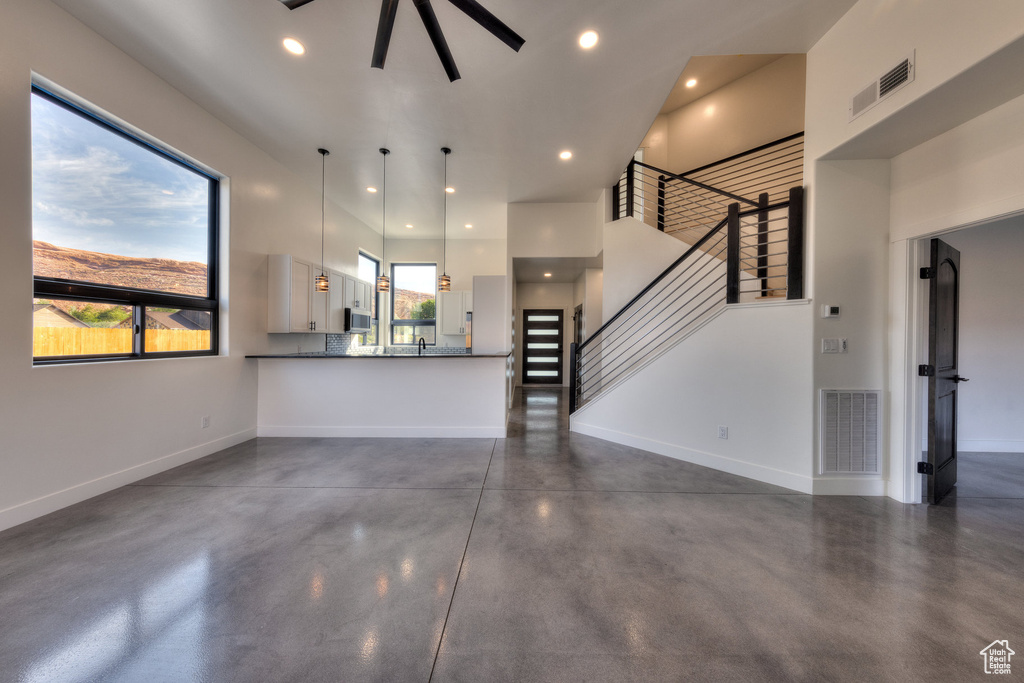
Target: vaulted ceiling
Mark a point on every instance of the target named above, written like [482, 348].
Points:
[506, 120]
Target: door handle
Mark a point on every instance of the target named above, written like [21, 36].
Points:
[958, 379]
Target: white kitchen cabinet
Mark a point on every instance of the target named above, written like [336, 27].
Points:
[358, 294]
[293, 305]
[336, 298]
[454, 307]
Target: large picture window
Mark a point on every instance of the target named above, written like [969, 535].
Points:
[413, 297]
[124, 241]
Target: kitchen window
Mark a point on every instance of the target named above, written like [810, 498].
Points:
[413, 303]
[369, 270]
[124, 242]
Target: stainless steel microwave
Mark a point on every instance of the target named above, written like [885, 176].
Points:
[357, 322]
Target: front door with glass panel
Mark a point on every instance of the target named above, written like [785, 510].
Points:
[542, 332]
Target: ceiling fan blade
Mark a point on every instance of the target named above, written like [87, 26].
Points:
[437, 38]
[388, 10]
[501, 31]
[295, 4]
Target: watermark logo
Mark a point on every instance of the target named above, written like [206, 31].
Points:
[997, 657]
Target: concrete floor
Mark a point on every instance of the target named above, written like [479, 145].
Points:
[546, 556]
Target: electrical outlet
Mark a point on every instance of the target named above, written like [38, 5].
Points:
[843, 346]
[206, 421]
[723, 432]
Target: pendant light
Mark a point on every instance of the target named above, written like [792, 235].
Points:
[444, 283]
[383, 281]
[322, 284]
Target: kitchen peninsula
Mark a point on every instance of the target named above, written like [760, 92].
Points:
[388, 394]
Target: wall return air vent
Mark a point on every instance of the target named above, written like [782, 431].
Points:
[882, 87]
[850, 432]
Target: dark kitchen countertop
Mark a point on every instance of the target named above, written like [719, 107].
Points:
[322, 354]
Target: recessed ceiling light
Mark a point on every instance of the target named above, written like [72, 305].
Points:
[565, 156]
[469, 226]
[294, 46]
[408, 225]
[588, 39]
[449, 190]
[371, 189]
[547, 274]
[692, 82]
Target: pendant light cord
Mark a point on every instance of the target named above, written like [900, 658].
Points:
[383, 211]
[444, 226]
[323, 203]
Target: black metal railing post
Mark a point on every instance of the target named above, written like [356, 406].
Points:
[762, 242]
[630, 179]
[732, 256]
[661, 203]
[616, 201]
[795, 274]
[573, 378]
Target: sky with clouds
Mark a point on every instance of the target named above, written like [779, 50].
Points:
[97, 191]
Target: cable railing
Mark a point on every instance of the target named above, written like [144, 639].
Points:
[686, 205]
[751, 253]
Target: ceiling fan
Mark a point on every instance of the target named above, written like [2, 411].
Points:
[473, 9]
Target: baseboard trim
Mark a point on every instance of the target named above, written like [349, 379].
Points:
[44, 505]
[753, 471]
[381, 432]
[850, 486]
[989, 446]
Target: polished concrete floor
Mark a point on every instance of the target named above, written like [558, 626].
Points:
[546, 556]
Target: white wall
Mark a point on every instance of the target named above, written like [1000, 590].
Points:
[878, 200]
[634, 255]
[756, 384]
[990, 406]
[71, 432]
[948, 36]
[967, 174]
[850, 266]
[593, 301]
[763, 106]
[555, 229]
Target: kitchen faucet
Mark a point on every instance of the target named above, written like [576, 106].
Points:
[422, 345]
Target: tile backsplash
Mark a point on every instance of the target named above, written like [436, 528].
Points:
[348, 344]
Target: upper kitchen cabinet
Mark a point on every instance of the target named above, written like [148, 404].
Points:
[293, 304]
[454, 307]
[358, 294]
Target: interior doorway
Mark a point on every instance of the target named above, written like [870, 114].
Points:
[989, 433]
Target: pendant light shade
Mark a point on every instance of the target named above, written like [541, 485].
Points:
[444, 283]
[383, 281]
[321, 283]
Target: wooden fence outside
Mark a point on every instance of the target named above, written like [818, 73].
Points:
[88, 341]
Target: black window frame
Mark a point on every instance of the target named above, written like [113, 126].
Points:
[424, 322]
[139, 299]
[375, 321]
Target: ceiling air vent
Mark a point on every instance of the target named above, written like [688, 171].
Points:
[885, 85]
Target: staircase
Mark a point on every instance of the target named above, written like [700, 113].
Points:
[742, 250]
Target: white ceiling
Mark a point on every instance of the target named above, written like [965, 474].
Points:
[505, 120]
[562, 269]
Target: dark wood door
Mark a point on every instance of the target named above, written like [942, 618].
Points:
[542, 358]
[943, 377]
[577, 325]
